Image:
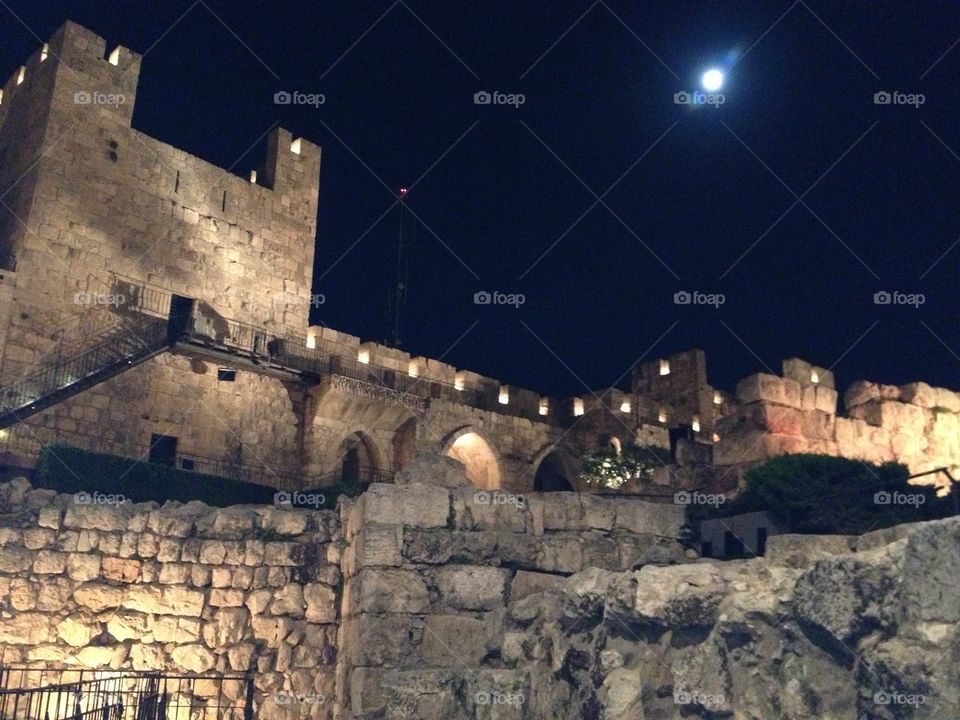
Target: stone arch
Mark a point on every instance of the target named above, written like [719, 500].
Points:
[468, 446]
[358, 458]
[554, 471]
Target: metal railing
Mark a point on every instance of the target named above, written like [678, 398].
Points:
[73, 694]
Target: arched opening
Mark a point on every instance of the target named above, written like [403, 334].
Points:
[358, 459]
[552, 475]
[478, 459]
[404, 444]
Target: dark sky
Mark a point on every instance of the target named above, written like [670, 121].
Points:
[504, 185]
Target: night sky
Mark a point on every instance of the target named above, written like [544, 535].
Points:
[506, 198]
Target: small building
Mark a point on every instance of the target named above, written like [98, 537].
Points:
[738, 535]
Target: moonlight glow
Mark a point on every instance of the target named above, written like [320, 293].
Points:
[712, 80]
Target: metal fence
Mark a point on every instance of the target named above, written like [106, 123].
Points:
[74, 694]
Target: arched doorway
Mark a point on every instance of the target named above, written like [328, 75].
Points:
[478, 458]
[404, 444]
[358, 459]
[552, 475]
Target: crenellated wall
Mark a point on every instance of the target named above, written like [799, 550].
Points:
[913, 424]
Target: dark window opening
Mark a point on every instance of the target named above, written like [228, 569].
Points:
[186, 464]
[163, 449]
[761, 541]
[223, 205]
[226, 375]
[706, 549]
[176, 185]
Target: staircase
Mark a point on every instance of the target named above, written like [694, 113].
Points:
[62, 375]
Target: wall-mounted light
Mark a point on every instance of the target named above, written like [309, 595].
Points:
[459, 381]
[253, 176]
[662, 414]
[504, 397]
[717, 398]
[22, 75]
[716, 438]
[814, 377]
[544, 406]
[664, 367]
[295, 146]
[114, 58]
[311, 339]
[413, 369]
[44, 52]
[578, 406]
[696, 423]
[363, 355]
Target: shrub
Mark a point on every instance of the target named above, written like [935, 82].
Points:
[609, 469]
[823, 494]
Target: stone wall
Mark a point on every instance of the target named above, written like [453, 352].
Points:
[178, 588]
[430, 572]
[913, 424]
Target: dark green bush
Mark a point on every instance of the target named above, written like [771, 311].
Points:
[71, 470]
[823, 494]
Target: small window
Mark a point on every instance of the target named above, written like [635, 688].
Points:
[226, 375]
[163, 449]
[706, 549]
[186, 464]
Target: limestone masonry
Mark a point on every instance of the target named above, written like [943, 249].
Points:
[152, 304]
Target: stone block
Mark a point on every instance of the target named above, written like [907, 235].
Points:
[452, 641]
[563, 511]
[321, 603]
[98, 597]
[645, 518]
[83, 566]
[388, 590]
[109, 518]
[422, 506]
[469, 587]
[762, 387]
[526, 583]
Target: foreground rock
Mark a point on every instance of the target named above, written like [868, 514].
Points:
[834, 636]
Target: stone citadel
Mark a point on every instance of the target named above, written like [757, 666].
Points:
[154, 305]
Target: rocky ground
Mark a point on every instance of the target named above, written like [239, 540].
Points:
[869, 633]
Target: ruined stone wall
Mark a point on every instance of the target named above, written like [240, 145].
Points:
[430, 573]
[913, 424]
[182, 588]
[255, 421]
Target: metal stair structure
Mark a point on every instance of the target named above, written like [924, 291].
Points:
[63, 375]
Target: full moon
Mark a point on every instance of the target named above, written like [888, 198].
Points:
[712, 80]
